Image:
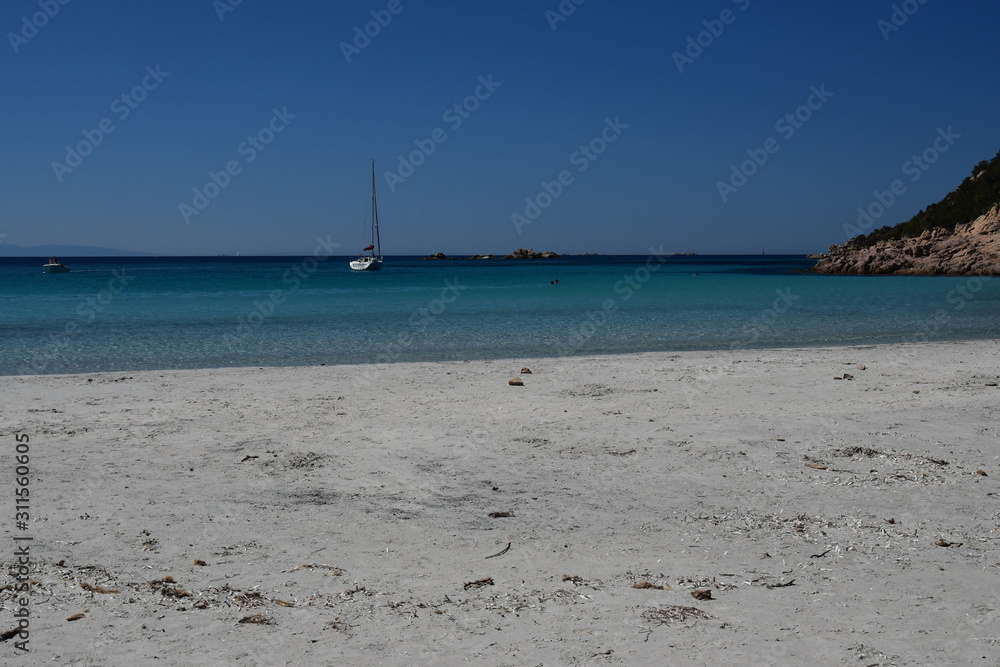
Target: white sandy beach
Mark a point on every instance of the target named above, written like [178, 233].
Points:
[834, 521]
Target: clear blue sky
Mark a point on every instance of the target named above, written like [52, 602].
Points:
[655, 184]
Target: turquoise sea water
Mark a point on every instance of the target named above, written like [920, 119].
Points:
[118, 314]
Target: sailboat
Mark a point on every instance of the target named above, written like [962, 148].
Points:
[372, 262]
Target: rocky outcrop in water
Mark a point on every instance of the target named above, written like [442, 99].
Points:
[522, 253]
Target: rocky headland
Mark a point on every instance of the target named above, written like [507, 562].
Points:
[957, 236]
[970, 249]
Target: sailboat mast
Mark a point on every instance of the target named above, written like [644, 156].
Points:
[375, 235]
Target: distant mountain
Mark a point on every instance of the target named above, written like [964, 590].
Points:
[10, 250]
[959, 235]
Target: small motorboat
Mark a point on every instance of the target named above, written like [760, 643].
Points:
[55, 266]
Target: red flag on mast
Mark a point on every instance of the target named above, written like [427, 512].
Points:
[371, 247]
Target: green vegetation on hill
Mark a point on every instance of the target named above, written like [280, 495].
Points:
[976, 195]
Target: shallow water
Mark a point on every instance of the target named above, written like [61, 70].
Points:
[116, 314]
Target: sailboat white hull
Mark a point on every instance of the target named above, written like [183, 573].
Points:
[371, 262]
[366, 264]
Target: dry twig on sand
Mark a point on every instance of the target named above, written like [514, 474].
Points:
[259, 619]
[501, 553]
[98, 589]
